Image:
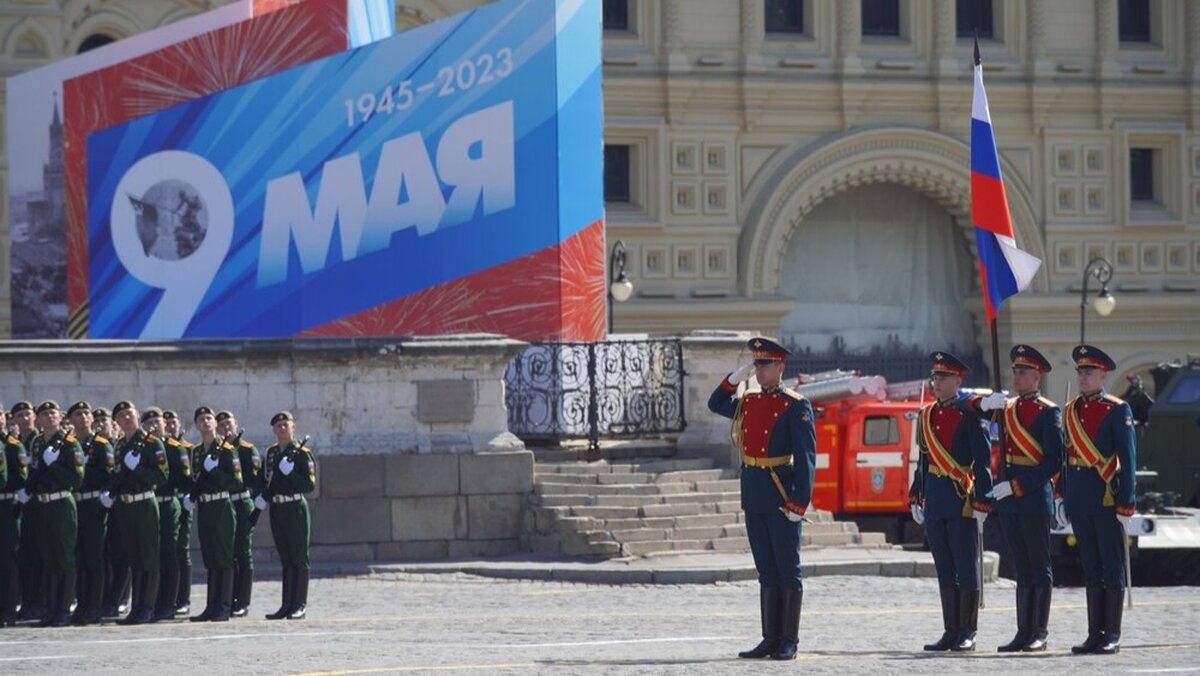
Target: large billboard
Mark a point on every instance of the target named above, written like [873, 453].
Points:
[446, 179]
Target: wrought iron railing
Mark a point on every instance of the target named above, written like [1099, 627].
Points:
[895, 361]
[559, 391]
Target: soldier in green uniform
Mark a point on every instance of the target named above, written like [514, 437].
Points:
[99, 462]
[178, 477]
[243, 507]
[291, 473]
[32, 592]
[57, 471]
[173, 427]
[16, 469]
[141, 467]
[117, 590]
[218, 472]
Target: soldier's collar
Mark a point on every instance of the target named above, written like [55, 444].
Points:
[771, 390]
[1093, 397]
[1028, 396]
[945, 403]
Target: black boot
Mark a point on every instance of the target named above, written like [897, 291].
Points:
[224, 587]
[135, 603]
[10, 592]
[300, 595]
[33, 594]
[1114, 607]
[789, 640]
[1095, 617]
[168, 587]
[50, 601]
[150, 596]
[114, 590]
[210, 605]
[243, 577]
[949, 596]
[81, 587]
[65, 596]
[1024, 619]
[1040, 614]
[183, 595]
[968, 620]
[770, 604]
[289, 586]
[90, 596]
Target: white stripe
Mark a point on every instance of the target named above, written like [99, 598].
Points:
[631, 641]
[880, 459]
[979, 104]
[1024, 266]
[822, 461]
[189, 639]
[40, 657]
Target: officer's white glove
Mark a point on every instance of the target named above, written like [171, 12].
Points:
[1124, 522]
[741, 375]
[22, 496]
[132, 459]
[260, 503]
[210, 463]
[286, 466]
[1000, 491]
[993, 401]
[980, 517]
[188, 504]
[918, 513]
[1060, 513]
[106, 499]
[50, 455]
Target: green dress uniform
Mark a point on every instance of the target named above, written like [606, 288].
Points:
[216, 522]
[16, 469]
[99, 463]
[33, 592]
[57, 473]
[136, 515]
[179, 480]
[243, 539]
[291, 473]
[183, 549]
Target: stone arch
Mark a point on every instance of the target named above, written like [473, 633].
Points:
[24, 32]
[805, 175]
[112, 22]
[1136, 362]
[413, 13]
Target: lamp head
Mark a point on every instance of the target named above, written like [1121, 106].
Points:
[1104, 303]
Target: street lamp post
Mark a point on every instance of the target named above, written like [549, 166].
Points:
[1104, 303]
[619, 286]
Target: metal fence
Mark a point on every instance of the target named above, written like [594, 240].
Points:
[895, 361]
[558, 391]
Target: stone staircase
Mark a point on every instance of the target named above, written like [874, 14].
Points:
[647, 507]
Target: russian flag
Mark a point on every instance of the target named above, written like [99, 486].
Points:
[1004, 270]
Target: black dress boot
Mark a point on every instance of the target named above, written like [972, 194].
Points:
[949, 596]
[10, 592]
[224, 585]
[210, 605]
[1114, 607]
[245, 585]
[770, 604]
[1040, 631]
[50, 600]
[1024, 619]
[90, 596]
[300, 595]
[183, 595]
[80, 586]
[968, 620]
[1095, 617]
[135, 603]
[789, 640]
[289, 586]
[64, 597]
[168, 587]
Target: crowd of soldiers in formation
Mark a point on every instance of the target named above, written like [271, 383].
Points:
[97, 508]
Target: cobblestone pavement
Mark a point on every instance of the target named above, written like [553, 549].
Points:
[406, 623]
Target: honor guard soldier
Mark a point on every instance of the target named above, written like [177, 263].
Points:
[15, 471]
[178, 479]
[22, 417]
[99, 462]
[1099, 490]
[57, 471]
[291, 474]
[141, 467]
[1023, 494]
[243, 507]
[949, 495]
[774, 431]
[218, 473]
[116, 571]
[173, 429]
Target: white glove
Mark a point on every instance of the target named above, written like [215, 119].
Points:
[210, 463]
[22, 496]
[918, 513]
[980, 517]
[188, 504]
[260, 503]
[993, 401]
[741, 375]
[50, 455]
[1000, 491]
[1060, 513]
[1124, 522]
[106, 499]
[286, 466]
[132, 459]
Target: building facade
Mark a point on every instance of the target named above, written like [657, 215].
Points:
[801, 167]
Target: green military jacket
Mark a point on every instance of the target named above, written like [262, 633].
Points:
[100, 461]
[65, 473]
[252, 468]
[179, 468]
[16, 465]
[302, 479]
[151, 469]
[226, 476]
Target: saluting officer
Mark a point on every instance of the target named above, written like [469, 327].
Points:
[292, 473]
[1099, 488]
[57, 472]
[949, 495]
[99, 462]
[774, 429]
[141, 467]
[32, 591]
[173, 429]
[1033, 454]
[16, 469]
[243, 507]
[218, 472]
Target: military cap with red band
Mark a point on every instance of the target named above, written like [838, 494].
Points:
[1027, 356]
[766, 350]
[1092, 356]
[944, 362]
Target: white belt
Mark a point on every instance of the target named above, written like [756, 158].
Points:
[90, 495]
[7, 496]
[51, 497]
[164, 498]
[213, 497]
[279, 499]
[136, 497]
[244, 495]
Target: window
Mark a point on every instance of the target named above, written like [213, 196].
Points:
[974, 17]
[785, 16]
[881, 430]
[1141, 174]
[616, 15]
[881, 17]
[93, 41]
[1187, 391]
[1133, 17]
[616, 173]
